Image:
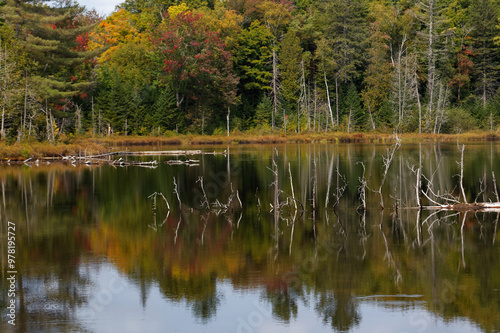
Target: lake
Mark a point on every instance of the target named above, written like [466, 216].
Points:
[270, 238]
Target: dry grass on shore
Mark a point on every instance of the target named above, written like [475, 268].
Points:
[90, 146]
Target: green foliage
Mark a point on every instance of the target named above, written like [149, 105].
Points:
[263, 111]
[252, 57]
[484, 18]
[179, 66]
[345, 31]
[459, 120]
[356, 117]
[290, 57]
[166, 114]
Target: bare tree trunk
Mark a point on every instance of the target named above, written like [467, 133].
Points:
[93, 121]
[47, 120]
[328, 94]
[415, 76]
[371, 116]
[462, 173]
[400, 97]
[430, 54]
[25, 101]
[228, 112]
[438, 108]
[337, 96]
[275, 85]
[315, 105]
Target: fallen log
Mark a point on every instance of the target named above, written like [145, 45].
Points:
[181, 162]
[161, 153]
[493, 207]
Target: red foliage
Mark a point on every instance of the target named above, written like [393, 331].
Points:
[83, 42]
[196, 56]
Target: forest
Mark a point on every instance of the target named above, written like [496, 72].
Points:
[161, 67]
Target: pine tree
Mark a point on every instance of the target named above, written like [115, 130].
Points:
[356, 117]
[484, 18]
[290, 58]
[165, 111]
[48, 35]
[345, 31]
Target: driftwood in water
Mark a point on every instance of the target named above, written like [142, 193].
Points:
[467, 207]
[144, 153]
[181, 162]
[169, 153]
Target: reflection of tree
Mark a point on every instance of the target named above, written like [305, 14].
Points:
[105, 212]
[199, 291]
[338, 309]
[284, 303]
[206, 307]
[49, 246]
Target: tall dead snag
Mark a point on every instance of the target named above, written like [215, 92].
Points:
[291, 185]
[205, 199]
[330, 172]
[177, 194]
[362, 189]
[458, 203]
[462, 173]
[388, 159]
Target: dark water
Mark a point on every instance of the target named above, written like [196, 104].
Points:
[98, 251]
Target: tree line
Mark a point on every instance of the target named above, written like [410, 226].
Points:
[209, 67]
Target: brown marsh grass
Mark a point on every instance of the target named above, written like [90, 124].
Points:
[91, 146]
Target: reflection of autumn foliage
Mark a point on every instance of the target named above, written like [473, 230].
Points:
[187, 267]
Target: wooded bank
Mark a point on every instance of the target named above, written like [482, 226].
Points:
[216, 67]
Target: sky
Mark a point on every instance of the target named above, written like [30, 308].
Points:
[103, 7]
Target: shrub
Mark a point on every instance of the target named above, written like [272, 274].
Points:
[458, 121]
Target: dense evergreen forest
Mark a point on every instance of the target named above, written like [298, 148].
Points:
[156, 67]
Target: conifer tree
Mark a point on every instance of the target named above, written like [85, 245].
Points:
[48, 35]
[345, 31]
[484, 17]
[290, 57]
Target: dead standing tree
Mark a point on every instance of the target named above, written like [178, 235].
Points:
[448, 201]
[388, 159]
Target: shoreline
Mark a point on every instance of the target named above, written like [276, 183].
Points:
[82, 146]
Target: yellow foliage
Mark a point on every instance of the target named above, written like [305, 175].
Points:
[115, 31]
[173, 11]
[227, 23]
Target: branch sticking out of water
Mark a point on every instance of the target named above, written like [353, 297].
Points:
[205, 202]
[177, 193]
[462, 173]
[362, 189]
[388, 159]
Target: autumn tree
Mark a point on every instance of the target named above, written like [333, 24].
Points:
[196, 65]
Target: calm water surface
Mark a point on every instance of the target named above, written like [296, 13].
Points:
[118, 249]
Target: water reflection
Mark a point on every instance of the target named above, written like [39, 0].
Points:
[272, 240]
